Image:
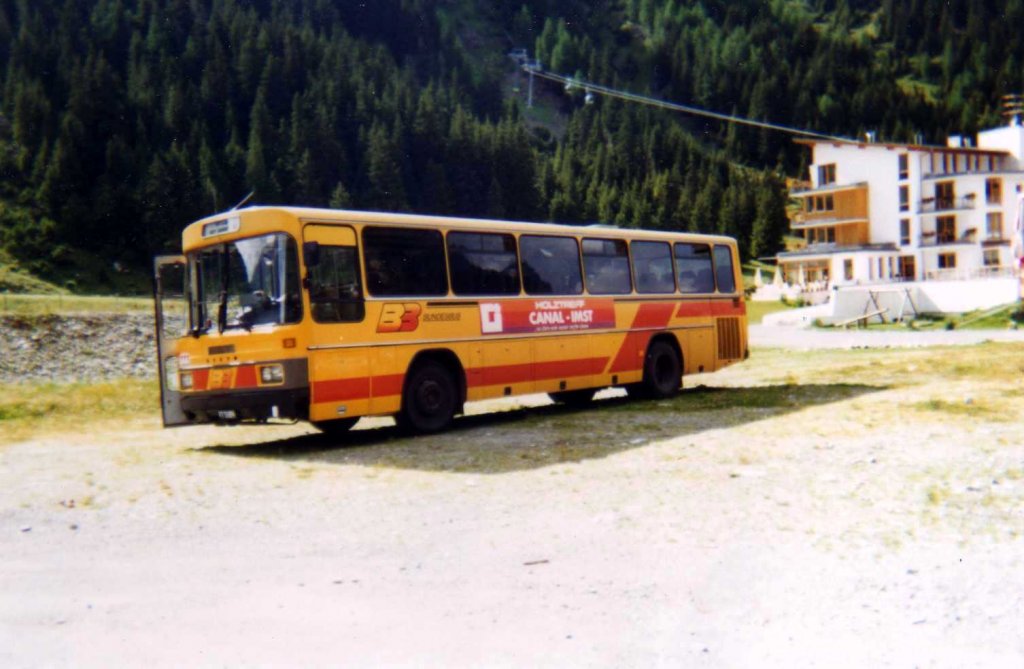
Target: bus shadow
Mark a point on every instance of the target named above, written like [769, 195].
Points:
[531, 438]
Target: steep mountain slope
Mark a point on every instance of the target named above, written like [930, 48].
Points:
[121, 120]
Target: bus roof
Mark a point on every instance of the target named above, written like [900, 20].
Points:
[193, 233]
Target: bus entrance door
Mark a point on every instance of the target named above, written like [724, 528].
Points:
[171, 304]
[339, 370]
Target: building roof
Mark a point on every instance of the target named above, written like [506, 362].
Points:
[891, 146]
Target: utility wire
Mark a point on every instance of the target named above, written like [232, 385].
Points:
[588, 87]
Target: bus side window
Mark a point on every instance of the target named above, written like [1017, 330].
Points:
[693, 265]
[335, 290]
[606, 266]
[652, 267]
[723, 270]
[551, 265]
[483, 263]
[404, 262]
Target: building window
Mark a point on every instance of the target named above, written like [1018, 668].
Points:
[944, 195]
[810, 204]
[830, 235]
[904, 198]
[945, 229]
[994, 225]
[904, 166]
[947, 260]
[826, 174]
[994, 191]
[904, 231]
[908, 268]
[991, 258]
[848, 270]
[830, 203]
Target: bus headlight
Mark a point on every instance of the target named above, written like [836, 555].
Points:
[272, 374]
[186, 380]
[171, 373]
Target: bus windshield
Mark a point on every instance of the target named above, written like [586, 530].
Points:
[245, 283]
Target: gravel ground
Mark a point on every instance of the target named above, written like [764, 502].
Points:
[797, 513]
[769, 336]
[842, 523]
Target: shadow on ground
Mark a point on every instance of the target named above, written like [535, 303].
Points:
[536, 437]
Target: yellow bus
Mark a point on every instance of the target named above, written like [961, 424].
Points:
[310, 314]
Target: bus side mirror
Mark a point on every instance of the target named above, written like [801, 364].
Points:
[311, 253]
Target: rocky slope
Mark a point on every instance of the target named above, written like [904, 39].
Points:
[76, 347]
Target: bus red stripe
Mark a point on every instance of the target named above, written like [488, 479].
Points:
[692, 309]
[728, 308]
[338, 390]
[245, 377]
[647, 316]
[390, 384]
[200, 379]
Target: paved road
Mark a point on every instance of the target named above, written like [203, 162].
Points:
[775, 336]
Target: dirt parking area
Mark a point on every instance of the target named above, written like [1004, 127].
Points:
[812, 508]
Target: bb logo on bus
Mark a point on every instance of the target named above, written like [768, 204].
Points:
[399, 317]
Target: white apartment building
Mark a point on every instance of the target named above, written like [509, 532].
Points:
[879, 212]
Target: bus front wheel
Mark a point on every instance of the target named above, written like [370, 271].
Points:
[663, 373]
[429, 399]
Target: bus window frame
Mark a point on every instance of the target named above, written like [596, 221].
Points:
[711, 261]
[447, 232]
[446, 270]
[732, 264]
[629, 265]
[579, 263]
[672, 261]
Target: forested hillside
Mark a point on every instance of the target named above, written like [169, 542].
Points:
[122, 120]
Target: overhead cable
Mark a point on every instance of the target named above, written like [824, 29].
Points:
[588, 87]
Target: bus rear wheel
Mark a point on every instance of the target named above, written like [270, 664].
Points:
[574, 398]
[663, 373]
[336, 427]
[429, 399]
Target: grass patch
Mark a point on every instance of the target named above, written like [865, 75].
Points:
[27, 409]
[756, 311]
[63, 303]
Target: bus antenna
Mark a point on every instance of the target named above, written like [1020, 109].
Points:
[244, 200]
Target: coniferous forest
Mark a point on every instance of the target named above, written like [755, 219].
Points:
[123, 120]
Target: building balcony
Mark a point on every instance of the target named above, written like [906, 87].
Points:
[932, 205]
[929, 239]
[967, 273]
[822, 219]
